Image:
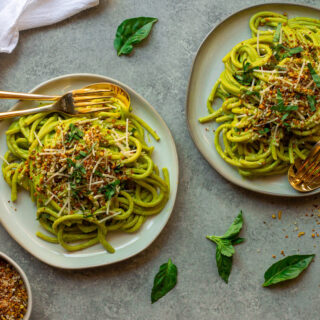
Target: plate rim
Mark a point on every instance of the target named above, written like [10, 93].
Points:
[174, 195]
[188, 104]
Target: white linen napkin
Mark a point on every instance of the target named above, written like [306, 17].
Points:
[17, 15]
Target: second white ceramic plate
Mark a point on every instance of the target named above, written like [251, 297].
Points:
[206, 70]
[19, 219]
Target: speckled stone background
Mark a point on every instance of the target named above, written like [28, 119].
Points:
[206, 203]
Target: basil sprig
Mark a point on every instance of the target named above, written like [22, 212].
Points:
[225, 249]
[131, 32]
[314, 75]
[286, 269]
[246, 76]
[164, 281]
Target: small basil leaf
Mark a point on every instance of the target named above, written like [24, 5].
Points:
[235, 228]
[292, 51]
[286, 269]
[226, 248]
[237, 241]
[314, 75]
[224, 265]
[312, 102]
[276, 36]
[164, 281]
[131, 32]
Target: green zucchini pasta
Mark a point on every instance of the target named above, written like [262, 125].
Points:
[87, 175]
[270, 92]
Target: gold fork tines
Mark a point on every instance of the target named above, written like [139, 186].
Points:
[304, 176]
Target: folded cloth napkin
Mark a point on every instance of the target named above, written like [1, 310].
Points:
[16, 15]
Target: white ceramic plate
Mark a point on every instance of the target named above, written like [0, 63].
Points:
[22, 224]
[206, 70]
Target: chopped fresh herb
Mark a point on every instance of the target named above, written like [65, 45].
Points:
[286, 269]
[290, 52]
[312, 102]
[315, 76]
[75, 133]
[70, 163]
[281, 107]
[164, 281]
[245, 77]
[78, 170]
[276, 36]
[110, 189]
[265, 130]
[98, 173]
[74, 191]
[81, 155]
[225, 249]
[252, 93]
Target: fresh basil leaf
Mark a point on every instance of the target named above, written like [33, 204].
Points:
[290, 52]
[81, 155]
[276, 36]
[265, 130]
[224, 265]
[314, 75]
[131, 32]
[312, 102]
[284, 117]
[237, 241]
[226, 248]
[75, 133]
[252, 93]
[235, 228]
[224, 245]
[286, 269]
[110, 189]
[290, 108]
[164, 281]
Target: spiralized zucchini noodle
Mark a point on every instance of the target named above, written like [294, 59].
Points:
[270, 92]
[87, 175]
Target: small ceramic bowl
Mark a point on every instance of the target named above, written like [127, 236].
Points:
[25, 280]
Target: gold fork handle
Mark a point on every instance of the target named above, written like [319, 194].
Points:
[26, 96]
[17, 113]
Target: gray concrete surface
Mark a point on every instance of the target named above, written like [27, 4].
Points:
[206, 203]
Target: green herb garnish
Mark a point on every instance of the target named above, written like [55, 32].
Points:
[281, 107]
[245, 77]
[314, 75]
[265, 130]
[225, 249]
[312, 102]
[131, 32]
[164, 281]
[75, 133]
[110, 189]
[81, 155]
[78, 170]
[286, 269]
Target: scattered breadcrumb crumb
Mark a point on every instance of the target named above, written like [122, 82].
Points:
[279, 214]
[273, 216]
[301, 234]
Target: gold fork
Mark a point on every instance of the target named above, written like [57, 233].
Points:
[79, 101]
[304, 175]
